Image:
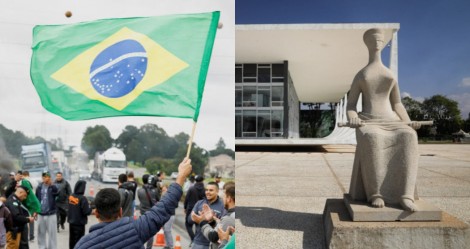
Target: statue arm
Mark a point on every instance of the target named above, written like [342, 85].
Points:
[353, 97]
[397, 106]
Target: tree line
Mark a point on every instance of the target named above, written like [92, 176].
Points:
[14, 139]
[151, 147]
[443, 111]
[147, 146]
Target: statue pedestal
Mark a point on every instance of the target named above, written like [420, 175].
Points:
[362, 211]
[342, 232]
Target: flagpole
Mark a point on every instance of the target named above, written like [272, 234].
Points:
[190, 144]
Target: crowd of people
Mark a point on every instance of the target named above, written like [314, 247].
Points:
[209, 208]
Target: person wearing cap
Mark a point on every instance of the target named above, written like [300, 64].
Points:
[194, 194]
[47, 222]
[19, 215]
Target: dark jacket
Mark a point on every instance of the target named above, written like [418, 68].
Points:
[132, 187]
[148, 196]
[126, 198]
[129, 233]
[64, 192]
[19, 213]
[218, 207]
[6, 223]
[194, 194]
[79, 208]
[52, 193]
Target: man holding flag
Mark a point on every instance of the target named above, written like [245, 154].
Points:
[116, 232]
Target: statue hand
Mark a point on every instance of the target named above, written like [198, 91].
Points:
[415, 125]
[355, 122]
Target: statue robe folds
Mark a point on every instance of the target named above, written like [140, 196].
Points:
[386, 160]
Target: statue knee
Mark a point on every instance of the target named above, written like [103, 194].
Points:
[410, 135]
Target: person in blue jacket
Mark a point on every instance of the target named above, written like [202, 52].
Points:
[115, 231]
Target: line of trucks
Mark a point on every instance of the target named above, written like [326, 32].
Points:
[38, 158]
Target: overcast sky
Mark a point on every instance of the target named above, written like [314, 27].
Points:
[20, 107]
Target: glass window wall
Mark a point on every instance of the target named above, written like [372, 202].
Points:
[238, 96]
[259, 100]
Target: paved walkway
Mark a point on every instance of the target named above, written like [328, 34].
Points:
[281, 196]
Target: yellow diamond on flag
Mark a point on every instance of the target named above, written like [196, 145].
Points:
[118, 69]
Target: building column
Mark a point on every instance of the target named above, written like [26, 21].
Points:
[286, 100]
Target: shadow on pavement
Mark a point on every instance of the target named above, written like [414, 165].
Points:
[263, 217]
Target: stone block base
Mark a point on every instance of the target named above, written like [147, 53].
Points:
[362, 211]
[342, 232]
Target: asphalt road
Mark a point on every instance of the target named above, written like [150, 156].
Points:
[93, 187]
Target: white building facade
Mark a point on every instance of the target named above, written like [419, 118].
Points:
[280, 66]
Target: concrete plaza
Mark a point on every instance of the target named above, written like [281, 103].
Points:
[281, 195]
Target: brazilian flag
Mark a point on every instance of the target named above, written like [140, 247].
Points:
[146, 66]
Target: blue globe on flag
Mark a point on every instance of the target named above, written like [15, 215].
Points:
[119, 68]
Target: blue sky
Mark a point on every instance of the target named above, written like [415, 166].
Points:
[433, 40]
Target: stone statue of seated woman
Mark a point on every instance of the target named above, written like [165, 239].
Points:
[386, 159]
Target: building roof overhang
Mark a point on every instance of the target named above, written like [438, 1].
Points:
[322, 58]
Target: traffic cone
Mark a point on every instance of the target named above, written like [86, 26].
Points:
[177, 242]
[92, 191]
[159, 239]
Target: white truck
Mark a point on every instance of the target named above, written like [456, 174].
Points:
[109, 165]
[36, 158]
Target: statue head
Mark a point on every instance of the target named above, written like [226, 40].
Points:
[374, 39]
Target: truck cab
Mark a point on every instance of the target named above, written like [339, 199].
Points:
[36, 158]
[110, 164]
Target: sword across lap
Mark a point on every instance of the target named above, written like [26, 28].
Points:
[342, 124]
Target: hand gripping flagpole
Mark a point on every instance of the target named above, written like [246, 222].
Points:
[190, 144]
